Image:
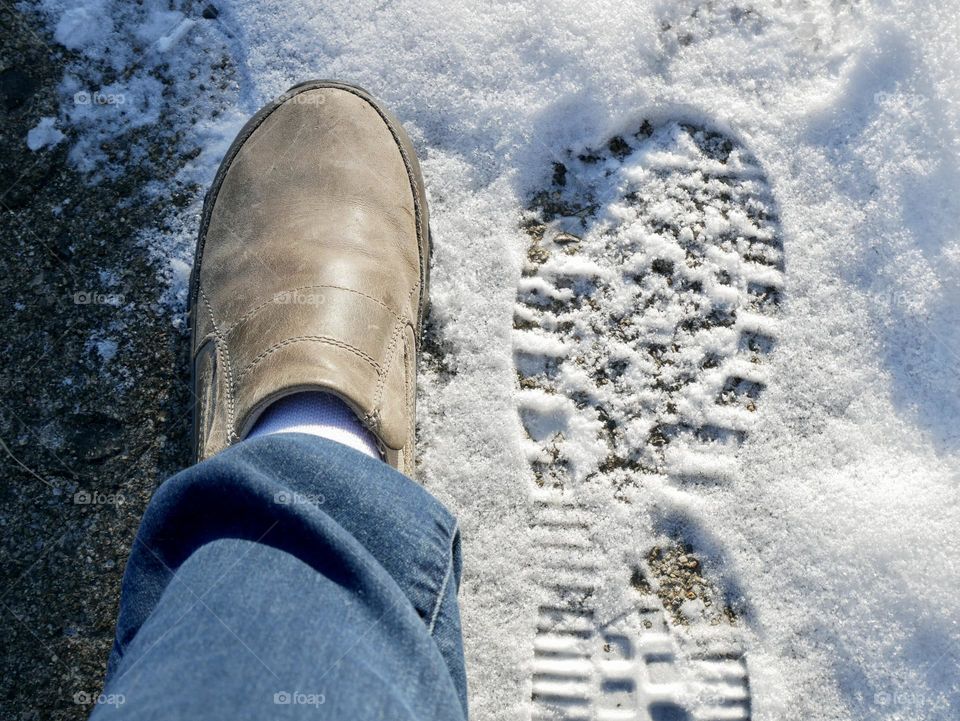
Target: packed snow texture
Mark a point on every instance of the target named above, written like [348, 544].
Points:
[641, 355]
[839, 526]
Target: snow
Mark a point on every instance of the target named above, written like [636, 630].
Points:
[838, 517]
[82, 25]
[44, 134]
[107, 349]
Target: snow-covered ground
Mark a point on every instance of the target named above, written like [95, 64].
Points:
[834, 535]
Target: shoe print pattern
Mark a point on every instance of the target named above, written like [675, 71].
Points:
[646, 310]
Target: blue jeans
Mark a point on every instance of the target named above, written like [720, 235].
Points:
[290, 577]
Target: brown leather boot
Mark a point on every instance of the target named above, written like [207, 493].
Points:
[312, 269]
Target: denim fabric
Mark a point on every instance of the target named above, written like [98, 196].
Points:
[290, 577]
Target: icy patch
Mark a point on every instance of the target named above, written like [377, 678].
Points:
[44, 135]
[106, 349]
[142, 66]
[82, 26]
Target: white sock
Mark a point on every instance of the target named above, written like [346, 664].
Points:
[320, 414]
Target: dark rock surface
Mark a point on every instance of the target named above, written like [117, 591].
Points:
[94, 408]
